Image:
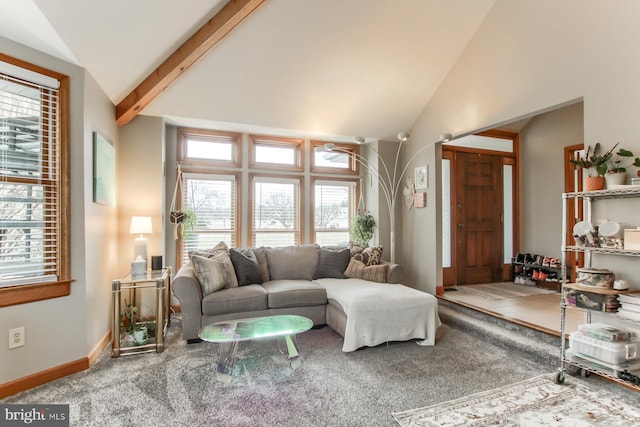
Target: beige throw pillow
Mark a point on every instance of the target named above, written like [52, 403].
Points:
[220, 253]
[358, 270]
[212, 274]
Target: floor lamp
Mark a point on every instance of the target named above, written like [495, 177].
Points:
[389, 180]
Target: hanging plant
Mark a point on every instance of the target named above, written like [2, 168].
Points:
[188, 223]
[362, 226]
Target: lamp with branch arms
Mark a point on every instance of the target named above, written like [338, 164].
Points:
[389, 180]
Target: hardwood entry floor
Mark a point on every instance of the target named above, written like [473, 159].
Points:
[534, 308]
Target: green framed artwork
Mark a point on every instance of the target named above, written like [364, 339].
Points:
[104, 171]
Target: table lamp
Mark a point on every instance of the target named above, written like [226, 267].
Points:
[140, 225]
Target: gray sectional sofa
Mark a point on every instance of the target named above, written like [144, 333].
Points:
[326, 285]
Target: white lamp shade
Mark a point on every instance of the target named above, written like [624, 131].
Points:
[140, 225]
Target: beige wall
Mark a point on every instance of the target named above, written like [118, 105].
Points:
[100, 221]
[62, 330]
[140, 186]
[528, 57]
[542, 143]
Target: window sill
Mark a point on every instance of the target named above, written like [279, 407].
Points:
[29, 293]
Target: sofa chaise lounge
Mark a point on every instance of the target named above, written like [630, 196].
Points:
[327, 285]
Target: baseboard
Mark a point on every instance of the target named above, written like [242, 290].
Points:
[43, 377]
[51, 374]
[99, 348]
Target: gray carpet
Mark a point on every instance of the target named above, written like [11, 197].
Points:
[331, 388]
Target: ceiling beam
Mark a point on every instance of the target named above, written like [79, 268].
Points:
[214, 31]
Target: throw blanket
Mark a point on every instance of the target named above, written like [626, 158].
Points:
[382, 312]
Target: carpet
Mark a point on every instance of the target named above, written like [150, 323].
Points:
[500, 291]
[534, 402]
[357, 389]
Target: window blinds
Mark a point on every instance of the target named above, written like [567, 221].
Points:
[29, 182]
[212, 198]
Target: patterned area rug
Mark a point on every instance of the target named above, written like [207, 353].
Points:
[503, 290]
[534, 402]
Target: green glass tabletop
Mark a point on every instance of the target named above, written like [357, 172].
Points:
[255, 328]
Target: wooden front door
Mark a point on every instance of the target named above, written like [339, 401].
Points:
[477, 217]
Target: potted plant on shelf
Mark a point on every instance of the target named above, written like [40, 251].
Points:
[595, 166]
[362, 228]
[617, 167]
[136, 331]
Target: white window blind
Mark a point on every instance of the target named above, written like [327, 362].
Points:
[29, 182]
[276, 212]
[334, 206]
[212, 198]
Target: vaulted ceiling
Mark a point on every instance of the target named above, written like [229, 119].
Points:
[335, 68]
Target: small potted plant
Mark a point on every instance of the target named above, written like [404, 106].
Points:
[137, 332]
[362, 228]
[595, 166]
[617, 167]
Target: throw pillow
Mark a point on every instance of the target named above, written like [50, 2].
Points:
[370, 256]
[246, 266]
[376, 273]
[354, 269]
[358, 270]
[210, 253]
[221, 253]
[211, 273]
[355, 249]
[261, 255]
[293, 262]
[332, 263]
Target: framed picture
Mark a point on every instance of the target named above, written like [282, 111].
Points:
[420, 199]
[420, 178]
[104, 171]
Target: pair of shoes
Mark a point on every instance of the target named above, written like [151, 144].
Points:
[539, 274]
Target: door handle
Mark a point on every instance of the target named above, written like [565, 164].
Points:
[460, 225]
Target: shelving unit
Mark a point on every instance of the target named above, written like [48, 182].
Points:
[583, 364]
[543, 283]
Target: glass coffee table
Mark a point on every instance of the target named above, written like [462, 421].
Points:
[230, 332]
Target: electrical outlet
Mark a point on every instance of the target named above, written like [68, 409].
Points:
[16, 337]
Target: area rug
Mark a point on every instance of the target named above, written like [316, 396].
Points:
[538, 401]
[502, 290]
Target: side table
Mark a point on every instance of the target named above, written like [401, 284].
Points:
[149, 294]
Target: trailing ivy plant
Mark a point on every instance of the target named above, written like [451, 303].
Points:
[362, 228]
[188, 224]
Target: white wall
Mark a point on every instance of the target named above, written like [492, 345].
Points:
[141, 185]
[528, 57]
[63, 330]
[542, 143]
[100, 221]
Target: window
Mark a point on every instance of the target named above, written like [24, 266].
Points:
[280, 153]
[205, 147]
[276, 211]
[212, 198]
[334, 206]
[342, 159]
[34, 198]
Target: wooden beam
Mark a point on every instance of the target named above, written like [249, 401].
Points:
[214, 31]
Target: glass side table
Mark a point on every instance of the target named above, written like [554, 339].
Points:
[141, 312]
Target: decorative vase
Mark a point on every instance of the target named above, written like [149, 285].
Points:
[594, 183]
[617, 178]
